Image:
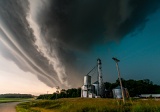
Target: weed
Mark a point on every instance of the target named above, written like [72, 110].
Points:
[91, 105]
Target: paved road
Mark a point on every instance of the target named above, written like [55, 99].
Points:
[8, 107]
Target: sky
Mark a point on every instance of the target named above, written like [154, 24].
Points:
[139, 54]
[14, 80]
[49, 43]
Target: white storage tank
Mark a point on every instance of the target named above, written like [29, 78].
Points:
[96, 86]
[91, 95]
[87, 80]
[85, 94]
[84, 91]
[117, 93]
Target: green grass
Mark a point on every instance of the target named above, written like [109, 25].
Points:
[89, 105]
[6, 100]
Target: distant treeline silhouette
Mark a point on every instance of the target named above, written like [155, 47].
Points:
[135, 88]
[70, 93]
[16, 95]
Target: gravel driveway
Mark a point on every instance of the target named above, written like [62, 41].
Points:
[8, 107]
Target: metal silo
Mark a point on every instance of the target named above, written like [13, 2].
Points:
[84, 91]
[86, 88]
[87, 80]
[117, 93]
[97, 88]
[96, 85]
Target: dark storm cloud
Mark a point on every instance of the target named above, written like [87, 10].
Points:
[82, 23]
[69, 26]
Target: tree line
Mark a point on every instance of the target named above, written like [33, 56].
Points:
[135, 88]
[70, 93]
[16, 96]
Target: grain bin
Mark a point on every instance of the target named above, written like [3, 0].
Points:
[117, 93]
[87, 80]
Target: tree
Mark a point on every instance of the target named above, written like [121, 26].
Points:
[136, 87]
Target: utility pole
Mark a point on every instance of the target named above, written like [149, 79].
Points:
[116, 60]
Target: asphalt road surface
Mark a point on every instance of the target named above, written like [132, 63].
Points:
[8, 107]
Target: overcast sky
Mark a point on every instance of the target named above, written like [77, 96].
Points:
[49, 43]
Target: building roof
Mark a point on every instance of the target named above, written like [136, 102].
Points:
[150, 95]
[118, 87]
[96, 82]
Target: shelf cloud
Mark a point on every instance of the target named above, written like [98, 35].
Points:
[43, 36]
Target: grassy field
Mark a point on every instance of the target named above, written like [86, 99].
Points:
[6, 100]
[89, 105]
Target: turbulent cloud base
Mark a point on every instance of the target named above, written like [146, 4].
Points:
[44, 36]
